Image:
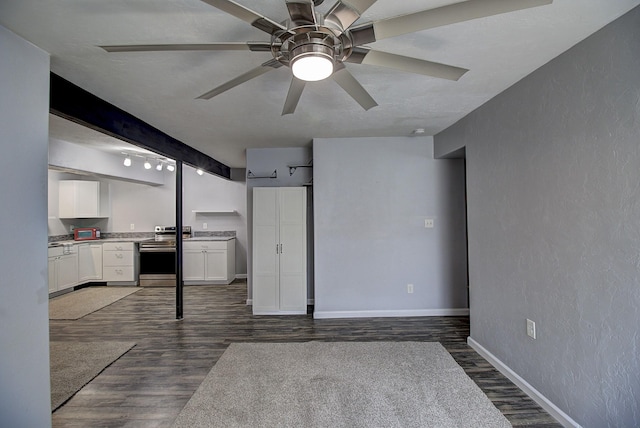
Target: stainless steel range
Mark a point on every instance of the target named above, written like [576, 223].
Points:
[158, 257]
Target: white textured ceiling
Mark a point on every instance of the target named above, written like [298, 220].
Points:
[160, 87]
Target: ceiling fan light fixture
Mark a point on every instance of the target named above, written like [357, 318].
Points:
[312, 59]
[312, 67]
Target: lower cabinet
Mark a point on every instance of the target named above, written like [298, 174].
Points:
[119, 262]
[209, 262]
[89, 262]
[79, 263]
[63, 268]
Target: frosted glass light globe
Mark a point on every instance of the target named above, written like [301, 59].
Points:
[312, 68]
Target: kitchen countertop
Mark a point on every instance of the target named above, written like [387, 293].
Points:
[89, 241]
[196, 239]
[210, 238]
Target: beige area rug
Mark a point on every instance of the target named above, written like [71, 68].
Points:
[74, 364]
[316, 384]
[75, 305]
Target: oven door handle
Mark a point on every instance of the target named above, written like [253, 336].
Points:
[158, 250]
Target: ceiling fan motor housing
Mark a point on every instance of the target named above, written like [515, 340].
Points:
[312, 43]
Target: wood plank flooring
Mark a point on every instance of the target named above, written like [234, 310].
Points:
[151, 383]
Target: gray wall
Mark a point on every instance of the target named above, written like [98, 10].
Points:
[553, 176]
[371, 197]
[262, 162]
[24, 324]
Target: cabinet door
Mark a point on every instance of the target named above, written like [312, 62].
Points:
[67, 271]
[89, 262]
[53, 274]
[265, 250]
[293, 254]
[216, 265]
[78, 199]
[193, 265]
[87, 199]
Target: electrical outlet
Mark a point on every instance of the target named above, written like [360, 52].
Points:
[409, 288]
[204, 225]
[428, 223]
[531, 329]
[132, 226]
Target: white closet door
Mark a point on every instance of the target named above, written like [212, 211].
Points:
[293, 257]
[265, 250]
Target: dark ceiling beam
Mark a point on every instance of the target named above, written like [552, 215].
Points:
[74, 103]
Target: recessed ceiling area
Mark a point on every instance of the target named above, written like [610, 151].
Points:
[161, 88]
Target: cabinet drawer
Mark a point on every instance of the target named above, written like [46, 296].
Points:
[117, 246]
[205, 245]
[118, 273]
[117, 258]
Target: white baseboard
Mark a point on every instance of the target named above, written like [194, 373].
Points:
[535, 395]
[392, 313]
[241, 276]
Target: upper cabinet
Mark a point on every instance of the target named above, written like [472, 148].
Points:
[83, 199]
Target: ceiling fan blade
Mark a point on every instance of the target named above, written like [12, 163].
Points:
[247, 15]
[258, 71]
[302, 11]
[344, 14]
[431, 18]
[293, 96]
[240, 46]
[349, 83]
[409, 64]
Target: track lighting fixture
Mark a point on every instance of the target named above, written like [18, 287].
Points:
[160, 162]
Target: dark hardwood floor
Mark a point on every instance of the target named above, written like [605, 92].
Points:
[150, 384]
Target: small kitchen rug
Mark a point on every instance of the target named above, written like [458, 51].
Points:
[339, 384]
[77, 304]
[74, 364]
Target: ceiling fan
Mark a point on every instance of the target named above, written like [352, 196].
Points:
[316, 46]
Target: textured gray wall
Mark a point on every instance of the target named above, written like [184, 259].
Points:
[24, 293]
[553, 178]
[371, 198]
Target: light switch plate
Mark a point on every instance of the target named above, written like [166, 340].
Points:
[428, 223]
[531, 329]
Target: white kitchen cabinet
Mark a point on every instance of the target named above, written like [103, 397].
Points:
[120, 263]
[82, 199]
[279, 250]
[63, 268]
[89, 262]
[209, 262]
